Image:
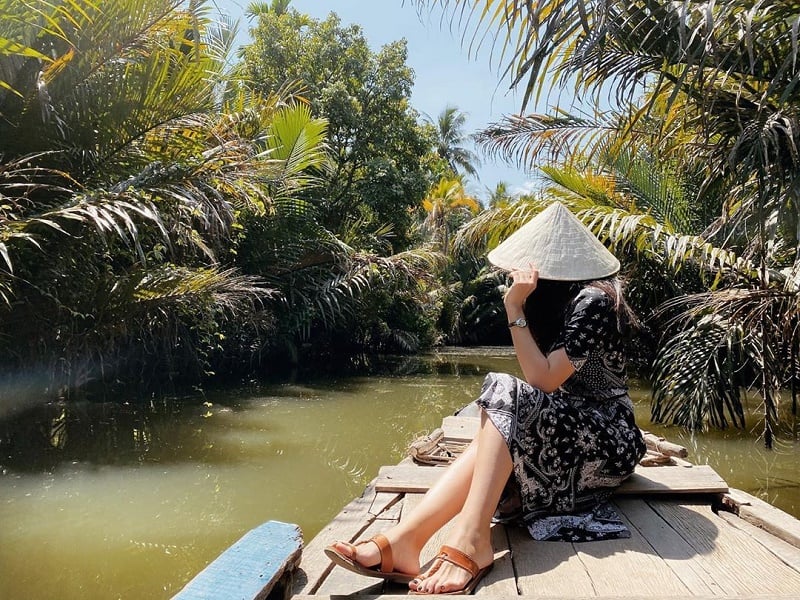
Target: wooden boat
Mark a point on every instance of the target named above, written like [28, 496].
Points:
[692, 537]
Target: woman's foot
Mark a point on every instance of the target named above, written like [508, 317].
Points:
[395, 551]
[462, 562]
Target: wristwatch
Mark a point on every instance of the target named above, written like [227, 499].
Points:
[521, 322]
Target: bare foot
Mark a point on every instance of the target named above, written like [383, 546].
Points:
[405, 555]
[443, 576]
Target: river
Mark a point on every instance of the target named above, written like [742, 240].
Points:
[130, 501]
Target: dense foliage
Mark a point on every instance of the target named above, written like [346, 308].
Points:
[378, 149]
[169, 213]
[121, 180]
[158, 223]
[695, 168]
[347, 259]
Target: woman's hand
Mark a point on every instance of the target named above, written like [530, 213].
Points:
[523, 284]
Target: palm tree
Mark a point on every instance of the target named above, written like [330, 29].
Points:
[156, 222]
[500, 195]
[467, 294]
[450, 140]
[278, 7]
[124, 179]
[447, 206]
[731, 68]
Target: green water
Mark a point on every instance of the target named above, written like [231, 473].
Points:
[123, 502]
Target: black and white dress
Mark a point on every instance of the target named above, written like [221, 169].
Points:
[570, 448]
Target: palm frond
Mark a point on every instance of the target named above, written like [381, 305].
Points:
[298, 140]
[26, 217]
[695, 370]
[641, 232]
[572, 185]
[450, 139]
[729, 340]
[171, 286]
[103, 76]
[564, 137]
[329, 287]
[656, 187]
[679, 45]
[18, 40]
[493, 225]
[623, 230]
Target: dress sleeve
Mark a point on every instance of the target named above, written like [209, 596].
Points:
[586, 326]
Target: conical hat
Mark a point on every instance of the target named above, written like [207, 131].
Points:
[558, 245]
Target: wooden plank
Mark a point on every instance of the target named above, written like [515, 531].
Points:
[547, 568]
[343, 582]
[671, 547]
[407, 479]
[734, 560]
[629, 567]
[673, 480]
[470, 410]
[645, 481]
[392, 513]
[385, 505]
[347, 526]
[462, 429]
[251, 567]
[764, 515]
[788, 553]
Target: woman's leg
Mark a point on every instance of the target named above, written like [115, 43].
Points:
[441, 503]
[472, 529]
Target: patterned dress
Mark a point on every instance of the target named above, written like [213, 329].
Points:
[570, 448]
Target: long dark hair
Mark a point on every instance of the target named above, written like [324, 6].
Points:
[545, 309]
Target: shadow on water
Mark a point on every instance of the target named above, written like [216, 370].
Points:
[41, 439]
[161, 487]
[177, 430]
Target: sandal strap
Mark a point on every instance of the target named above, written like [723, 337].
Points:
[459, 559]
[385, 550]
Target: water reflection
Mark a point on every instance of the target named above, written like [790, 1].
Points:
[131, 501]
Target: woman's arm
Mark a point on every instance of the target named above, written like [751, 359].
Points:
[544, 372]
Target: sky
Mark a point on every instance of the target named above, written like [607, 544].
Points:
[446, 73]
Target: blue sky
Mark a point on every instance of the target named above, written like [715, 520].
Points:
[445, 72]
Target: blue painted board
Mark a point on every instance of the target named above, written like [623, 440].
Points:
[251, 567]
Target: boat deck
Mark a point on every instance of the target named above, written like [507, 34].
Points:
[692, 537]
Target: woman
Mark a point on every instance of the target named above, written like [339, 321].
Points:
[551, 449]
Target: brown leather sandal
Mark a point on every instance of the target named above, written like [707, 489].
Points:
[461, 560]
[384, 570]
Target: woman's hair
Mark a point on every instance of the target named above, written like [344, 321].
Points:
[545, 309]
[614, 288]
